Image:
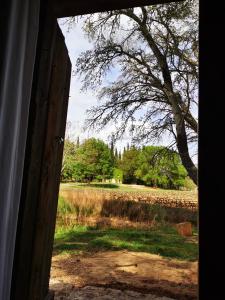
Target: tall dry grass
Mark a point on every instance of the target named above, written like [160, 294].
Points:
[77, 206]
[84, 203]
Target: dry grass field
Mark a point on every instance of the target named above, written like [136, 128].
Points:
[79, 203]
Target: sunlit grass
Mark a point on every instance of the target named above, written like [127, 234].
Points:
[164, 241]
[126, 188]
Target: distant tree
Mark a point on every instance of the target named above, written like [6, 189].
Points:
[116, 158]
[128, 165]
[119, 156]
[124, 150]
[118, 175]
[93, 161]
[78, 142]
[68, 161]
[160, 167]
[116, 154]
[112, 150]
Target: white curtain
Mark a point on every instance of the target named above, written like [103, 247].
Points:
[15, 89]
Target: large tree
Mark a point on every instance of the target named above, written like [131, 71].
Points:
[155, 52]
[93, 161]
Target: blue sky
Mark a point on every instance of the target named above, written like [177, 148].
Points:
[79, 101]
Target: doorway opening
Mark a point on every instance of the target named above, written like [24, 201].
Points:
[127, 223]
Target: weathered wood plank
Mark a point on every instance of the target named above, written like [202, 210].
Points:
[51, 166]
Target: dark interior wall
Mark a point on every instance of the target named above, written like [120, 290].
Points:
[211, 151]
[69, 8]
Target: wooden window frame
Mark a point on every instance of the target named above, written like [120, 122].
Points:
[209, 216]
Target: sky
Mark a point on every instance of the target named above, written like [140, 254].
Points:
[79, 101]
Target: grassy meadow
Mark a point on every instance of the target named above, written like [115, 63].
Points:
[99, 217]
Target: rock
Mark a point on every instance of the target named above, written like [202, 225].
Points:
[184, 229]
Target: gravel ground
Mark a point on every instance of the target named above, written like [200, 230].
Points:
[99, 293]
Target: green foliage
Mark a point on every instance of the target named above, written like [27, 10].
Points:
[189, 184]
[160, 167]
[68, 162]
[93, 161]
[128, 165]
[104, 185]
[88, 161]
[118, 175]
[154, 166]
[63, 206]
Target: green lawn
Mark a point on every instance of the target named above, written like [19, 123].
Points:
[163, 241]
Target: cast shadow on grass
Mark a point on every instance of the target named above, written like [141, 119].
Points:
[163, 241]
[143, 212]
[105, 185]
[97, 185]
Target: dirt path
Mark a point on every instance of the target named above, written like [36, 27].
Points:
[122, 275]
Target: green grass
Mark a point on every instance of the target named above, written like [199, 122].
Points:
[163, 241]
[63, 206]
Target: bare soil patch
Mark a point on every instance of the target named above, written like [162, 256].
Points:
[141, 273]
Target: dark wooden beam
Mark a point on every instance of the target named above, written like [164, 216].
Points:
[68, 8]
[41, 178]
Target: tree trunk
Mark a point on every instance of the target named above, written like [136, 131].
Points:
[184, 153]
[181, 140]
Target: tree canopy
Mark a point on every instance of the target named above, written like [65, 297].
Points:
[155, 166]
[68, 161]
[155, 52]
[160, 167]
[91, 161]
